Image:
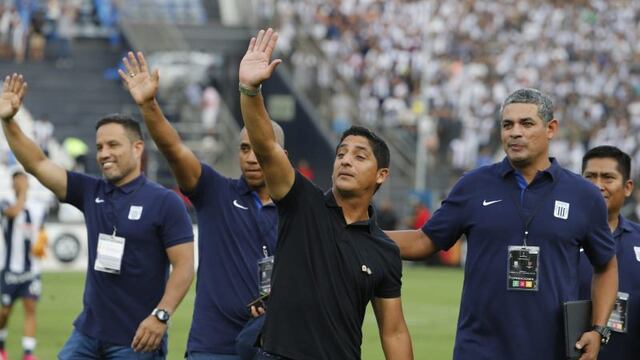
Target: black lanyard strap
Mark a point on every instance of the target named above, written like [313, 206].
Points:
[527, 221]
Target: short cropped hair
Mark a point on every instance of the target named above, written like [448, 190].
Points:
[378, 146]
[277, 132]
[611, 152]
[17, 173]
[531, 96]
[132, 127]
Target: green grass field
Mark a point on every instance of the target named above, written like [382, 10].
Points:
[431, 297]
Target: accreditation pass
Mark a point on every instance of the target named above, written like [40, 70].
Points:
[109, 254]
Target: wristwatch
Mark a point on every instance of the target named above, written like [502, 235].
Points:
[605, 333]
[161, 314]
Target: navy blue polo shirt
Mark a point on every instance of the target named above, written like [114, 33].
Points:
[487, 205]
[627, 236]
[233, 227]
[114, 305]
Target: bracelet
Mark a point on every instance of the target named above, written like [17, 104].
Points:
[245, 90]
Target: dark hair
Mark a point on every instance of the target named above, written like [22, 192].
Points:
[18, 173]
[131, 126]
[612, 152]
[531, 96]
[378, 146]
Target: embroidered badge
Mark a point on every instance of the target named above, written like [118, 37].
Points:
[561, 210]
[135, 212]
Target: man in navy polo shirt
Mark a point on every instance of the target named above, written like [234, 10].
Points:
[135, 230]
[525, 220]
[333, 258]
[237, 224]
[609, 169]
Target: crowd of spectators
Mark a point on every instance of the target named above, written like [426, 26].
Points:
[452, 63]
[36, 30]
[172, 11]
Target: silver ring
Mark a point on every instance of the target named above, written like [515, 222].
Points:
[132, 74]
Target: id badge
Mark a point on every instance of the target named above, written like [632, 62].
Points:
[522, 268]
[618, 319]
[265, 268]
[109, 254]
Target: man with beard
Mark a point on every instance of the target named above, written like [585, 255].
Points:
[135, 230]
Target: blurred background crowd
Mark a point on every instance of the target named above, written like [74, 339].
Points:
[393, 64]
[429, 75]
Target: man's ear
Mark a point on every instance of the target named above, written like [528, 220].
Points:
[552, 128]
[628, 188]
[381, 175]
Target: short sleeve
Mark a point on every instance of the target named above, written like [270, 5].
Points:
[298, 194]
[78, 187]
[206, 188]
[447, 224]
[391, 284]
[598, 243]
[176, 225]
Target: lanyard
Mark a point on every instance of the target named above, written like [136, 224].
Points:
[527, 221]
[112, 212]
[263, 231]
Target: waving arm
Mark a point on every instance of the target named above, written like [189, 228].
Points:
[51, 175]
[255, 68]
[143, 87]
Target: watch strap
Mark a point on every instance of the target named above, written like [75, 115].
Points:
[604, 331]
[161, 314]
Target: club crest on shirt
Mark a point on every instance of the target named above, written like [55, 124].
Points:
[637, 251]
[561, 210]
[135, 212]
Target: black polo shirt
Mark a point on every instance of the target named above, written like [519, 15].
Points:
[325, 274]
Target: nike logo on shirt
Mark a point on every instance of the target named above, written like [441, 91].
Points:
[487, 203]
[236, 204]
[99, 201]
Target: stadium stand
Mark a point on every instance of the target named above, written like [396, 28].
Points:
[393, 65]
[451, 63]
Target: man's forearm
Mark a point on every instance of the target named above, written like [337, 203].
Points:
[163, 134]
[413, 244]
[604, 291]
[25, 150]
[258, 124]
[16, 209]
[398, 346]
[177, 287]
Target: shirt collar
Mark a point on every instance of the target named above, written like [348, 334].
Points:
[242, 187]
[330, 201]
[553, 170]
[623, 225]
[127, 188]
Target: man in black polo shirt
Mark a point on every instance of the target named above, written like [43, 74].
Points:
[332, 256]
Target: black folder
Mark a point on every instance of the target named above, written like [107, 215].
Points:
[577, 320]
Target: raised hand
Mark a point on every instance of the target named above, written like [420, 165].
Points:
[142, 84]
[255, 66]
[13, 91]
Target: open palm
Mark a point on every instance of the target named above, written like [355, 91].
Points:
[255, 66]
[13, 91]
[142, 84]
